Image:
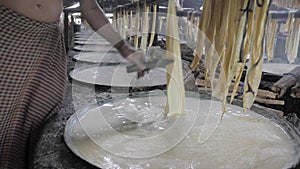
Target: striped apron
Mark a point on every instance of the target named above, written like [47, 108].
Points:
[32, 84]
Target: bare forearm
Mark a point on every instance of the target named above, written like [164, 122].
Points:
[98, 21]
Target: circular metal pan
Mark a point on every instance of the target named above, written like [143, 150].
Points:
[100, 57]
[90, 38]
[94, 35]
[117, 76]
[278, 68]
[91, 42]
[88, 32]
[95, 48]
[273, 72]
[111, 134]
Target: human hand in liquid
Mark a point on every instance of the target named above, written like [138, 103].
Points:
[137, 57]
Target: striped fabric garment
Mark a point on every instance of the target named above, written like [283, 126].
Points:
[32, 84]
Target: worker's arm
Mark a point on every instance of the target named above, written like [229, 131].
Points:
[96, 18]
[295, 91]
[287, 81]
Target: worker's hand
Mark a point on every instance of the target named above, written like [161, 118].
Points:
[282, 85]
[288, 80]
[137, 57]
[279, 89]
[295, 91]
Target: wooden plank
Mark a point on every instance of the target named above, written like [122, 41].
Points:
[269, 101]
[267, 94]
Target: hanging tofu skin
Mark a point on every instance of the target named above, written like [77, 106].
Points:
[297, 37]
[267, 35]
[114, 23]
[187, 25]
[196, 29]
[131, 22]
[289, 30]
[239, 60]
[203, 25]
[231, 63]
[234, 29]
[191, 25]
[293, 41]
[137, 26]
[130, 25]
[254, 72]
[121, 23]
[119, 26]
[241, 24]
[246, 50]
[271, 30]
[175, 87]
[125, 23]
[210, 33]
[238, 47]
[289, 20]
[221, 27]
[153, 25]
[160, 24]
[145, 28]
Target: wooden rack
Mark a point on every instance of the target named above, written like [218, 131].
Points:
[130, 6]
[283, 14]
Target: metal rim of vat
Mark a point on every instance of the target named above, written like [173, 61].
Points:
[115, 87]
[89, 42]
[267, 70]
[104, 63]
[82, 49]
